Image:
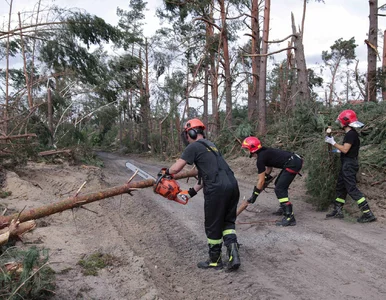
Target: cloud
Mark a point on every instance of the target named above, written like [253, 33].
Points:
[324, 24]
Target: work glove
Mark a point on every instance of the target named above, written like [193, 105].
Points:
[255, 193]
[164, 171]
[268, 180]
[330, 140]
[184, 196]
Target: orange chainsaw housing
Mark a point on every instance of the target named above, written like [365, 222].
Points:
[167, 187]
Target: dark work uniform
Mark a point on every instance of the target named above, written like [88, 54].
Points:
[290, 164]
[347, 176]
[221, 191]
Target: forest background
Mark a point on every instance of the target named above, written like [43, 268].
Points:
[71, 80]
[71, 83]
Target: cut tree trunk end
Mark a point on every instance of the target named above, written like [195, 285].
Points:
[15, 229]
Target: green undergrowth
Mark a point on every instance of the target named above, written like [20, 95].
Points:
[25, 274]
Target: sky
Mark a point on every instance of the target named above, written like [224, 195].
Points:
[325, 23]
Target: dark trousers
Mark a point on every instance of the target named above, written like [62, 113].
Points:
[347, 183]
[286, 176]
[221, 199]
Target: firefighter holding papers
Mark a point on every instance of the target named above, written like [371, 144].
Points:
[349, 168]
[221, 194]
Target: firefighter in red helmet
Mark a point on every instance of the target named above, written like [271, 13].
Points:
[221, 194]
[346, 183]
[268, 158]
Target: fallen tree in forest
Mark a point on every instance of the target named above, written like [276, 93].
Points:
[80, 200]
[54, 152]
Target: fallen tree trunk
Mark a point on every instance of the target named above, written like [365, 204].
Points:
[77, 201]
[20, 136]
[53, 152]
[15, 229]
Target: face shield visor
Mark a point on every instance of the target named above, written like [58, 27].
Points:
[356, 124]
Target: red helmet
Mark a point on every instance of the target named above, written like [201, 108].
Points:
[252, 144]
[194, 123]
[348, 117]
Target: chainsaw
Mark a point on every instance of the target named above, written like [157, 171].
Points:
[168, 187]
[164, 185]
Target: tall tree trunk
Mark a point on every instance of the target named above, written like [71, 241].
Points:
[172, 148]
[262, 126]
[301, 67]
[187, 89]
[132, 119]
[347, 85]
[32, 75]
[128, 114]
[384, 66]
[213, 76]
[253, 94]
[206, 95]
[5, 113]
[332, 85]
[28, 86]
[147, 97]
[227, 67]
[372, 46]
[303, 19]
[144, 103]
[293, 78]
[283, 90]
[49, 112]
[120, 124]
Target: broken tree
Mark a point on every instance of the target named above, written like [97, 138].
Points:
[78, 201]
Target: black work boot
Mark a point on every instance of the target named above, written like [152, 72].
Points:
[367, 215]
[214, 261]
[279, 212]
[337, 212]
[233, 257]
[289, 218]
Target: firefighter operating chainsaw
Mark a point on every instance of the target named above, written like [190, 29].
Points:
[221, 194]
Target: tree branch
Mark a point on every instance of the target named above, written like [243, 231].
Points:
[280, 41]
[207, 21]
[268, 54]
[15, 31]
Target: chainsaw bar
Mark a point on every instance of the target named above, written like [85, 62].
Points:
[141, 173]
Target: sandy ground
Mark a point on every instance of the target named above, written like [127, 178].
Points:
[156, 243]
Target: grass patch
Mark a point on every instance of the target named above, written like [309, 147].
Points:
[4, 194]
[96, 261]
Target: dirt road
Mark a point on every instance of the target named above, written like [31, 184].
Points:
[157, 243]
